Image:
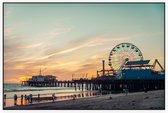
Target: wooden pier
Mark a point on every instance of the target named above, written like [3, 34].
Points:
[109, 85]
[107, 81]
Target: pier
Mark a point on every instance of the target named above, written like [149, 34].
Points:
[109, 85]
[136, 75]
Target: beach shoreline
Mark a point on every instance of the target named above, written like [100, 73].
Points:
[152, 100]
[43, 98]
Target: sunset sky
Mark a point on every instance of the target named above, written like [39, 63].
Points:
[66, 39]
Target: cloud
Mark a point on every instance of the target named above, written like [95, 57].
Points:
[73, 48]
[58, 31]
[13, 47]
[30, 46]
[22, 52]
[63, 51]
[90, 43]
[98, 57]
[93, 43]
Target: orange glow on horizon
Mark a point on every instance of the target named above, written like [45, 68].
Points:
[63, 73]
[24, 78]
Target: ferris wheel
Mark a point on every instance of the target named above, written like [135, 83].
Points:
[122, 53]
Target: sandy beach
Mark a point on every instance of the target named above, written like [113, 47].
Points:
[152, 100]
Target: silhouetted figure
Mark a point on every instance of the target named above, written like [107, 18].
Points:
[15, 99]
[38, 97]
[25, 97]
[53, 97]
[4, 100]
[21, 100]
[28, 98]
[74, 97]
[125, 91]
[31, 98]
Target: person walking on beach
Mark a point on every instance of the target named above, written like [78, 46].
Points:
[125, 91]
[21, 100]
[25, 101]
[15, 99]
[53, 97]
[31, 98]
[4, 100]
[28, 98]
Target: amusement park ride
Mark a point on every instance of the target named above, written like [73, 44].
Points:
[126, 61]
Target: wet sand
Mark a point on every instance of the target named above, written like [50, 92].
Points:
[152, 100]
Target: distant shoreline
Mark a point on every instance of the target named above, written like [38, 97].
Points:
[138, 100]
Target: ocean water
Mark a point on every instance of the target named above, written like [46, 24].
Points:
[11, 89]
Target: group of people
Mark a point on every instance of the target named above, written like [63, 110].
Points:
[27, 99]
